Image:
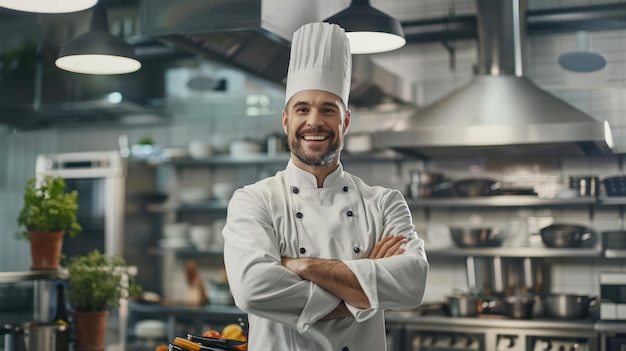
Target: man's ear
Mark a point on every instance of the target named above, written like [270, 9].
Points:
[284, 118]
[346, 122]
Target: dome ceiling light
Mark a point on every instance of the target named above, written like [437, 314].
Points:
[368, 29]
[47, 6]
[98, 51]
[582, 59]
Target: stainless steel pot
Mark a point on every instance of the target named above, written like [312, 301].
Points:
[519, 307]
[35, 336]
[568, 306]
[476, 237]
[464, 305]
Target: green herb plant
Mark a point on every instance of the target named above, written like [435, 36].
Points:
[97, 282]
[48, 207]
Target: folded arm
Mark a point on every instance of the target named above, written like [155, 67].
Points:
[336, 277]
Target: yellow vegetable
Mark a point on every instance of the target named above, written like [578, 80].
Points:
[234, 332]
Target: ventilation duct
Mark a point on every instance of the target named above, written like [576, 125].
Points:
[254, 35]
[499, 113]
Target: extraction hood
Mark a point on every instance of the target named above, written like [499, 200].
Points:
[499, 113]
[255, 35]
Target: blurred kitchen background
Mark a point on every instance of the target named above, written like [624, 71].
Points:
[214, 125]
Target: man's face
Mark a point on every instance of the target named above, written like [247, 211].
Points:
[315, 123]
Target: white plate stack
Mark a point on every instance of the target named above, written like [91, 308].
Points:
[175, 236]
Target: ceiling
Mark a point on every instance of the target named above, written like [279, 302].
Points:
[434, 64]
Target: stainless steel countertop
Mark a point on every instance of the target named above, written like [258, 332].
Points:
[437, 322]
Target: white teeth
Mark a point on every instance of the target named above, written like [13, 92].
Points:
[314, 137]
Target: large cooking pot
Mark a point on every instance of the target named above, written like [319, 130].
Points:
[34, 336]
[514, 306]
[463, 305]
[568, 306]
[476, 237]
[566, 235]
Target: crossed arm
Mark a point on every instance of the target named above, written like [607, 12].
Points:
[337, 278]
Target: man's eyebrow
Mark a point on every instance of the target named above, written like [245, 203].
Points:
[300, 103]
[330, 104]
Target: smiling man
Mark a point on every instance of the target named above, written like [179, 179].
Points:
[313, 254]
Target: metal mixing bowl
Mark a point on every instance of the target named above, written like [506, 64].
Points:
[476, 237]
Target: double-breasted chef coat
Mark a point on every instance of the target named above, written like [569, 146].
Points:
[288, 216]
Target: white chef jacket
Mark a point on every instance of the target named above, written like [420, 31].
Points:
[288, 216]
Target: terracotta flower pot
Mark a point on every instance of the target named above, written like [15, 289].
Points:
[45, 249]
[90, 330]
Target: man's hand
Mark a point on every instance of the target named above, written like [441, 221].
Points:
[389, 245]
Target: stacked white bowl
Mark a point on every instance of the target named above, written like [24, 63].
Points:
[175, 235]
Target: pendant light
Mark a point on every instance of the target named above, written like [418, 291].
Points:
[98, 51]
[368, 29]
[582, 59]
[47, 6]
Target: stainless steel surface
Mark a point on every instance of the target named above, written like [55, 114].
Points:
[518, 252]
[500, 113]
[9, 277]
[548, 326]
[254, 35]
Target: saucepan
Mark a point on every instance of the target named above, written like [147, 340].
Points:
[463, 305]
[568, 306]
[35, 336]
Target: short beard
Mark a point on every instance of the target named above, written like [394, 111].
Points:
[331, 156]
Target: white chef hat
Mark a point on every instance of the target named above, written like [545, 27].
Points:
[320, 60]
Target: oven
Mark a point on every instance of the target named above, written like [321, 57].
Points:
[100, 179]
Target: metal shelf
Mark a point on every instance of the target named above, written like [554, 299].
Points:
[10, 277]
[262, 158]
[517, 252]
[500, 201]
[186, 252]
[211, 205]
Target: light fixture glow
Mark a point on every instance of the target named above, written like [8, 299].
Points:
[363, 42]
[115, 97]
[368, 29]
[98, 64]
[47, 6]
[98, 51]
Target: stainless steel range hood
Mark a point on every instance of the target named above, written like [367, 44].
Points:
[499, 113]
[254, 35]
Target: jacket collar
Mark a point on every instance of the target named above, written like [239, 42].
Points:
[300, 178]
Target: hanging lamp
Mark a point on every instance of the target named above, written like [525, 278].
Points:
[368, 29]
[582, 59]
[98, 51]
[47, 6]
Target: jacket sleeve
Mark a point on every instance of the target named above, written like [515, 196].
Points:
[397, 282]
[258, 281]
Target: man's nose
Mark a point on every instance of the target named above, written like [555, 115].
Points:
[314, 118]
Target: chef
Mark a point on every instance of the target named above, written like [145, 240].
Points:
[313, 254]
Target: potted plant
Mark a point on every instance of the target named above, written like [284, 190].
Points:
[48, 213]
[97, 282]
